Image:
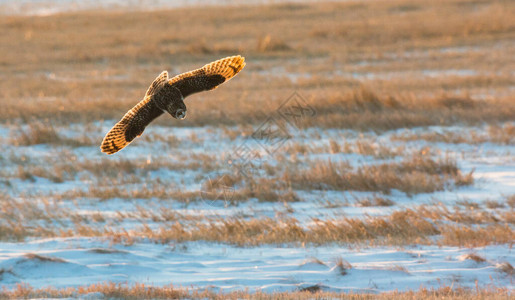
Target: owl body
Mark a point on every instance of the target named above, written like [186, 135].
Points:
[167, 95]
[169, 99]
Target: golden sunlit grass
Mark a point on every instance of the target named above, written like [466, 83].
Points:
[44, 133]
[362, 109]
[113, 191]
[62, 166]
[375, 201]
[363, 146]
[416, 174]
[79, 75]
[404, 227]
[498, 134]
[458, 235]
[423, 225]
[142, 291]
[358, 108]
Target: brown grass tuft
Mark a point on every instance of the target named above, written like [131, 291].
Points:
[41, 258]
[105, 251]
[343, 266]
[270, 44]
[474, 257]
[510, 200]
[496, 133]
[416, 174]
[45, 133]
[507, 268]
[494, 204]
[375, 201]
[474, 236]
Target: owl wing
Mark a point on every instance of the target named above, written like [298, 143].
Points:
[209, 76]
[135, 120]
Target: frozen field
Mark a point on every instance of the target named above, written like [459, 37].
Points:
[78, 262]
[54, 207]
[347, 157]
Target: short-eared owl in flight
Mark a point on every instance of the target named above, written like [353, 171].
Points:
[167, 95]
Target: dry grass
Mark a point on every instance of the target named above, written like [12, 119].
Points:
[105, 251]
[474, 257]
[404, 227]
[45, 133]
[141, 291]
[362, 109]
[225, 187]
[494, 204]
[106, 188]
[474, 216]
[78, 75]
[31, 216]
[62, 166]
[468, 204]
[364, 146]
[270, 44]
[510, 200]
[374, 201]
[314, 260]
[146, 191]
[416, 174]
[497, 134]
[108, 167]
[343, 265]
[399, 268]
[475, 236]
[506, 268]
[358, 108]
[423, 225]
[42, 258]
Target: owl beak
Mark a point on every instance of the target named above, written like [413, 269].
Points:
[180, 114]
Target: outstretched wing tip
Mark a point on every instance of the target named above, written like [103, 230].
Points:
[240, 63]
[209, 77]
[227, 67]
[107, 151]
[107, 148]
[114, 140]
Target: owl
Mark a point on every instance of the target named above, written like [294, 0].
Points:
[167, 95]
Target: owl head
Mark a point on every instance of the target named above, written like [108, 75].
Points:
[177, 109]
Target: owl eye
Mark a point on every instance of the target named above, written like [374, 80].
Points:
[180, 114]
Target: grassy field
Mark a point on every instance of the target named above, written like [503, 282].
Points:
[92, 66]
[408, 143]
[148, 292]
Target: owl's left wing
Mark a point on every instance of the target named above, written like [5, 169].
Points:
[209, 76]
[130, 126]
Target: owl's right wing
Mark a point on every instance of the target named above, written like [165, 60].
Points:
[209, 76]
[135, 120]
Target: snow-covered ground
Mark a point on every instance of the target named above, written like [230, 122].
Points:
[267, 268]
[62, 262]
